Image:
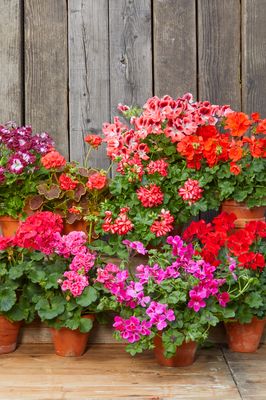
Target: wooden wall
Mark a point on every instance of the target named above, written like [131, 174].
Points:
[66, 64]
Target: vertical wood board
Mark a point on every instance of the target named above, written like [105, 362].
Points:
[175, 47]
[46, 73]
[219, 52]
[11, 95]
[130, 52]
[89, 75]
[254, 56]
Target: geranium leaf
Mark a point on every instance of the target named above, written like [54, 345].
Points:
[83, 172]
[79, 192]
[35, 202]
[42, 188]
[88, 296]
[53, 193]
[85, 325]
[7, 299]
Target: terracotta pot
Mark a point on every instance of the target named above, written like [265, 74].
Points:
[245, 338]
[185, 354]
[70, 343]
[8, 225]
[243, 213]
[8, 335]
[76, 226]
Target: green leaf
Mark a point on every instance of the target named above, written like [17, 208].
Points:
[16, 272]
[7, 299]
[72, 324]
[88, 296]
[254, 300]
[37, 276]
[85, 325]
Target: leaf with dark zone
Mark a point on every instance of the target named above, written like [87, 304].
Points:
[42, 188]
[35, 202]
[53, 193]
[79, 192]
[83, 172]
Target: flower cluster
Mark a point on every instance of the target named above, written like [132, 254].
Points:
[184, 157]
[20, 149]
[20, 166]
[121, 225]
[52, 160]
[242, 244]
[38, 231]
[175, 284]
[191, 191]
[240, 258]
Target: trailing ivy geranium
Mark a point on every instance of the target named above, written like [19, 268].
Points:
[175, 295]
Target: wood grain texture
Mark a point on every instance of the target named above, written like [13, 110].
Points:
[175, 57]
[253, 56]
[108, 372]
[89, 75]
[130, 52]
[10, 62]
[46, 68]
[249, 372]
[219, 52]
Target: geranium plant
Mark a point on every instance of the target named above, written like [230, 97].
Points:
[174, 295]
[175, 159]
[20, 167]
[239, 256]
[15, 304]
[71, 190]
[61, 276]
[234, 154]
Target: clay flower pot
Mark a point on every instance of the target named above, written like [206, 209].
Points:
[185, 354]
[8, 335]
[245, 338]
[8, 225]
[79, 225]
[70, 343]
[243, 213]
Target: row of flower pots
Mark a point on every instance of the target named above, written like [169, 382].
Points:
[175, 159]
[243, 338]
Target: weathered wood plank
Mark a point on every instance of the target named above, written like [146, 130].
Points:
[46, 68]
[130, 52]
[108, 372]
[249, 372]
[175, 57]
[253, 56]
[219, 52]
[11, 95]
[88, 74]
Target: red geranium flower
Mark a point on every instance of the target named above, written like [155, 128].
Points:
[66, 183]
[235, 169]
[191, 191]
[150, 196]
[238, 123]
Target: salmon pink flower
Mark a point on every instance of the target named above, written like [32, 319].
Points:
[53, 160]
[96, 181]
[93, 140]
